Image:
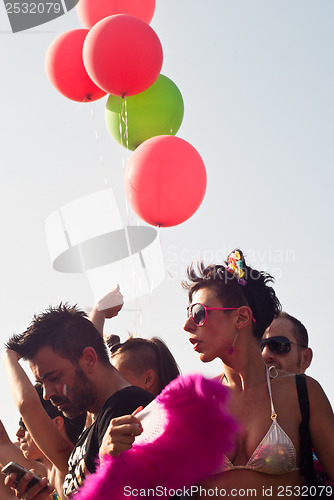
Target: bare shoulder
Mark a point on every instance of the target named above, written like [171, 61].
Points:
[312, 383]
[284, 388]
[287, 380]
[317, 396]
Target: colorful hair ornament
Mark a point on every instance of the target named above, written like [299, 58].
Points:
[236, 266]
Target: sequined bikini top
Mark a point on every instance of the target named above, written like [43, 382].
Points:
[275, 454]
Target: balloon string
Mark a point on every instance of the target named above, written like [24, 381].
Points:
[150, 282]
[127, 222]
[120, 121]
[163, 253]
[124, 137]
[76, 109]
[123, 123]
[99, 149]
[112, 202]
[125, 119]
[123, 127]
[139, 315]
[124, 141]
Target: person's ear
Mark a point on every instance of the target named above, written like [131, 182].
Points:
[149, 379]
[88, 359]
[307, 355]
[59, 421]
[244, 318]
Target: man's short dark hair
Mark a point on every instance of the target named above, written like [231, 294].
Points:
[299, 329]
[65, 329]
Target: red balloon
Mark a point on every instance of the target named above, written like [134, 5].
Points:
[66, 70]
[92, 11]
[165, 180]
[123, 55]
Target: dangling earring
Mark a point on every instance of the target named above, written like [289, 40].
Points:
[231, 348]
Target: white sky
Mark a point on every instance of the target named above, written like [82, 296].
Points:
[257, 81]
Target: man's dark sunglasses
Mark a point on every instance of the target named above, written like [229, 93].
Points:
[278, 345]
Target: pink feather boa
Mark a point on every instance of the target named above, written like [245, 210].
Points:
[198, 432]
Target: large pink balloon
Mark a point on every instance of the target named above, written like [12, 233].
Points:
[92, 11]
[66, 70]
[165, 180]
[123, 55]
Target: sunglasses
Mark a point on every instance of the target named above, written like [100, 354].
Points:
[22, 424]
[278, 345]
[199, 312]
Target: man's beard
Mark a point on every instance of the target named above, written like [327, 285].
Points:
[82, 395]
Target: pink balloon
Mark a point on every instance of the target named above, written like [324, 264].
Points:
[165, 180]
[66, 70]
[122, 55]
[92, 11]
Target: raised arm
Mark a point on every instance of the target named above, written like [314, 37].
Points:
[107, 307]
[321, 426]
[43, 431]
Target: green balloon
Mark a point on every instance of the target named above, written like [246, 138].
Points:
[156, 111]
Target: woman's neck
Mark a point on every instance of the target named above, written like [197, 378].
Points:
[244, 367]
